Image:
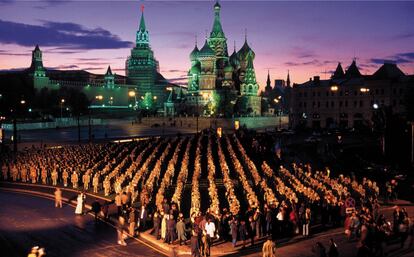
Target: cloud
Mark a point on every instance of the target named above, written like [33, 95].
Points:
[63, 35]
[6, 53]
[313, 62]
[181, 71]
[301, 52]
[64, 67]
[404, 35]
[399, 58]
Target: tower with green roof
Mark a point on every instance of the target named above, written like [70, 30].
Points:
[141, 66]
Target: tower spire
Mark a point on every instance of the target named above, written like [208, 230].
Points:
[142, 22]
[142, 37]
[234, 45]
[288, 80]
[245, 34]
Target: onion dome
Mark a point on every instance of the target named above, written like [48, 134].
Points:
[206, 51]
[234, 60]
[194, 53]
[245, 52]
[195, 69]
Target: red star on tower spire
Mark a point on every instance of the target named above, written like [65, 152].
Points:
[142, 8]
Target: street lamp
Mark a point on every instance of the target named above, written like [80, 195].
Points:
[334, 88]
[62, 101]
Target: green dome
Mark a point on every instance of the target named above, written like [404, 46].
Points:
[206, 51]
[195, 69]
[245, 52]
[194, 53]
[234, 60]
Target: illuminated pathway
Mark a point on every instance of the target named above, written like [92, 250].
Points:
[26, 221]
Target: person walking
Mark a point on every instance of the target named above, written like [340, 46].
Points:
[181, 231]
[195, 246]
[243, 232]
[132, 222]
[118, 204]
[96, 208]
[234, 231]
[306, 218]
[333, 249]
[269, 248]
[121, 223]
[79, 204]
[58, 198]
[157, 225]
[210, 229]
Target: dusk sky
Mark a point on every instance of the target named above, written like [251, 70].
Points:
[307, 38]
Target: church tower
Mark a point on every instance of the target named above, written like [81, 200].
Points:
[37, 63]
[268, 87]
[141, 65]
[217, 40]
[40, 79]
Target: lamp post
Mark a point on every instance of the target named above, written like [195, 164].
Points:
[334, 89]
[62, 101]
[277, 101]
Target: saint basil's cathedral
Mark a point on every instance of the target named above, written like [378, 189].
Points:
[220, 82]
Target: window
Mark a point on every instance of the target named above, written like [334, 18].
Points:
[313, 104]
[340, 93]
[394, 102]
[332, 104]
[304, 104]
[355, 103]
[319, 104]
[346, 103]
[327, 93]
[361, 103]
[319, 93]
[305, 94]
[382, 91]
[313, 94]
[327, 104]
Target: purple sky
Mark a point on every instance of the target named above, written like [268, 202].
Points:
[307, 38]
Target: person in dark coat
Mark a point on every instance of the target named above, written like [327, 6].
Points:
[243, 232]
[319, 250]
[157, 225]
[333, 249]
[96, 208]
[234, 231]
[195, 246]
[181, 231]
[252, 229]
[142, 218]
[170, 230]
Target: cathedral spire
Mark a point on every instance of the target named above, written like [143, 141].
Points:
[217, 31]
[268, 87]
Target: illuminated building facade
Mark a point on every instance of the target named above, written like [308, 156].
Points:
[218, 81]
[348, 99]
